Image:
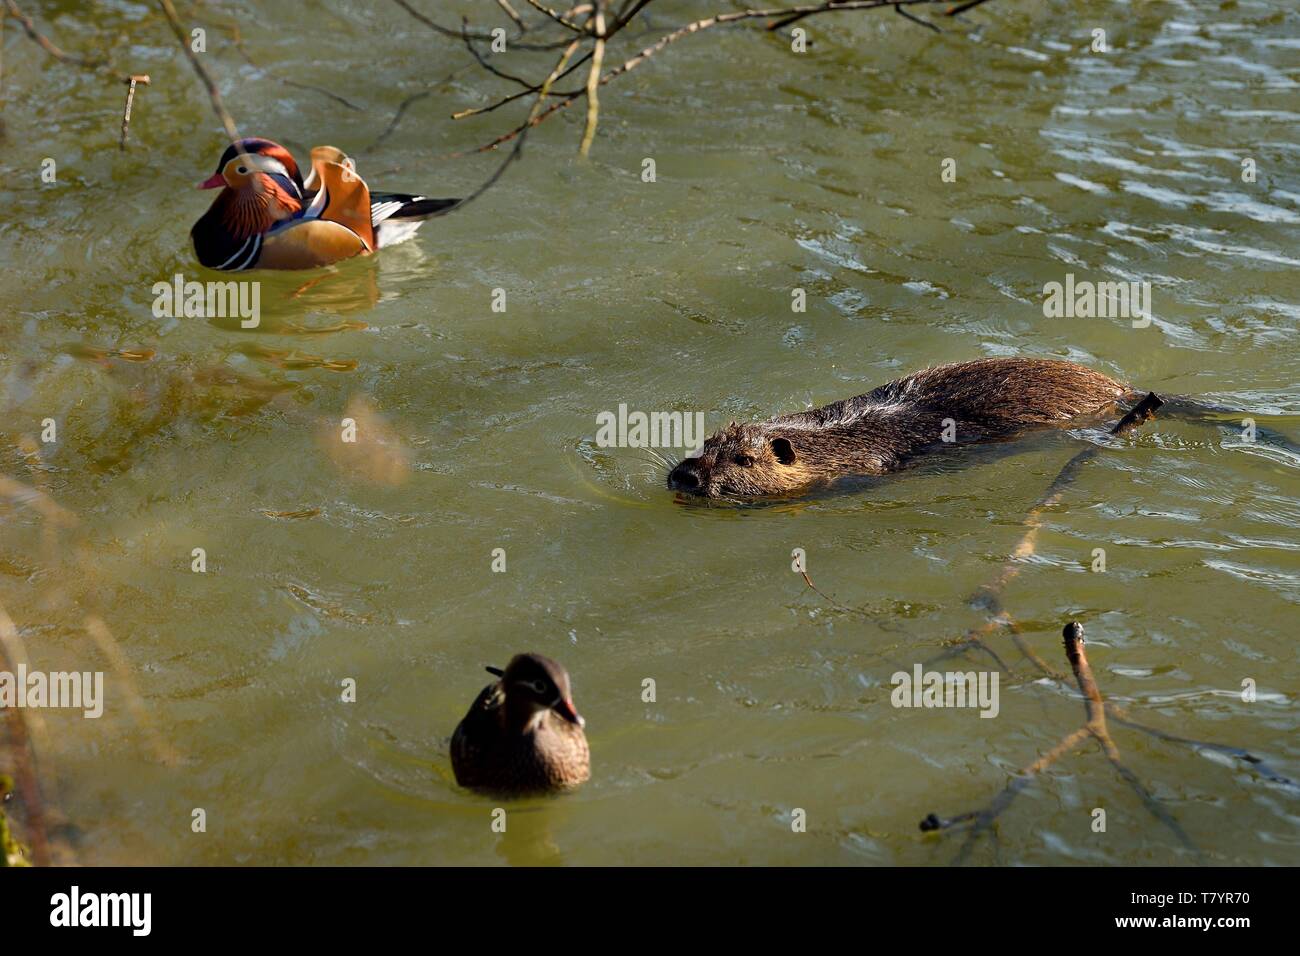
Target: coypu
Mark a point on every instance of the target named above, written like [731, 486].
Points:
[885, 429]
[522, 734]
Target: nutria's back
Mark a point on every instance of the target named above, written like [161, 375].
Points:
[882, 430]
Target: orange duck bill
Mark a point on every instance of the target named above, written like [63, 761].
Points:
[268, 217]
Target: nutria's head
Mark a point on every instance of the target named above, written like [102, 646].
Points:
[742, 461]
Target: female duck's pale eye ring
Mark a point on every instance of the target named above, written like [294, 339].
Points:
[539, 687]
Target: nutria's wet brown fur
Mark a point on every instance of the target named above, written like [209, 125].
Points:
[884, 429]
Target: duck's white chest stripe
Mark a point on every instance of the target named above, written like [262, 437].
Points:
[238, 252]
[255, 242]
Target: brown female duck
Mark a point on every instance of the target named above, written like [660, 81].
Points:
[522, 734]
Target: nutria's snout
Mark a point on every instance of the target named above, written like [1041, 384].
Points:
[740, 462]
[686, 477]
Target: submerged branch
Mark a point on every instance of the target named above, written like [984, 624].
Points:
[989, 596]
[1094, 726]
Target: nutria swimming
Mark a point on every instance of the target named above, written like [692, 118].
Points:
[885, 429]
[522, 733]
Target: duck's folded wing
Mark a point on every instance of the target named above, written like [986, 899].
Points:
[385, 206]
[396, 216]
[477, 737]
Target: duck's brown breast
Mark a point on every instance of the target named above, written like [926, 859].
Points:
[486, 755]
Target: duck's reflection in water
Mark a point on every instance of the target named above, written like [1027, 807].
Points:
[529, 837]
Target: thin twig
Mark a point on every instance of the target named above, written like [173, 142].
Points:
[794, 14]
[519, 145]
[593, 78]
[469, 45]
[44, 42]
[237, 38]
[557, 17]
[448, 32]
[510, 12]
[898, 8]
[402, 107]
[475, 111]
[727, 18]
[130, 98]
[963, 7]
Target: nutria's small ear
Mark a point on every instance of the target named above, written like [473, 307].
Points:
[783, 450]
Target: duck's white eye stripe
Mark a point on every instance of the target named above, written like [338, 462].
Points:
[269, 164]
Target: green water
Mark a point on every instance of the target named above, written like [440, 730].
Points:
[775, 171]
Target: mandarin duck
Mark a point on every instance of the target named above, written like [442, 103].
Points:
[522, 733]
[268, 217]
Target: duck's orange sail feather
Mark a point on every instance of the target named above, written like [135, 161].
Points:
[349, 197]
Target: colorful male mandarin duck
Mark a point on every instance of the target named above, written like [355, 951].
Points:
[267, 217]
[522, 733]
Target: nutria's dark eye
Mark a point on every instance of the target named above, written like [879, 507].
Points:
[744, 461]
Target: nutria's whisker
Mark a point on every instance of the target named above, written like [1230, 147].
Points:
[659, 458]
[651, 456]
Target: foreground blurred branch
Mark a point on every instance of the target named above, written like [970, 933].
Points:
[21, 749]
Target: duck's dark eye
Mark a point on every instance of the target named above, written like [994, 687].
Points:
[538, 687]
[744, 461]
[242, 170]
